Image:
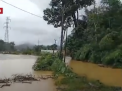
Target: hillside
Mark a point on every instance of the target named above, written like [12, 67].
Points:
[24, 46]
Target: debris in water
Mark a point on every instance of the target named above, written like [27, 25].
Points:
[23, 79]
[5, 85]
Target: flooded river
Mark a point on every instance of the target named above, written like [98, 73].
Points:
[22, 64]
[108, 76]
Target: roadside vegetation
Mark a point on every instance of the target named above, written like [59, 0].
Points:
[44, 62]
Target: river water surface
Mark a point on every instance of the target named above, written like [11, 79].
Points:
[22, 64]
[108, 76]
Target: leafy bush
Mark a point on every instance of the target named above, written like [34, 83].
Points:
[120, 47]
[95, 57]
[83, 53]
[44, 62]
[113, 58]
[59, 68]
[109, 41]
[77, 55]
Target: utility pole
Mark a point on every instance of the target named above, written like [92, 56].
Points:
[7, 29]
[55, 41]
[95, 23]
[38, 42]
[54, 46]
[65, 46]
[62, 29]
[38, 46]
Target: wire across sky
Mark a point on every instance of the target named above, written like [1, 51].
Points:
[21, 9]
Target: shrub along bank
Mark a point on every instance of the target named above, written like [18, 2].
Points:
[43, 62]
[70, 80]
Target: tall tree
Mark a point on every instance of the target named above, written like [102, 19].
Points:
[2, 45]
[53, 14]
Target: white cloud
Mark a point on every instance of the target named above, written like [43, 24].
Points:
[26, 27]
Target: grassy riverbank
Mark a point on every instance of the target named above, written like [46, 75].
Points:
[69, 81]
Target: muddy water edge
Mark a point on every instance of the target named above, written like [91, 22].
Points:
[22, 64]
[108, 76]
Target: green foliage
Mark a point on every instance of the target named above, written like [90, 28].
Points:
[76, 40]
[101, 38]
[44, 62]
[2, 45]
[94, 37]
[83, 53]
[59, 68]
[7, 46]
[95, 57]
[114, 58]
[38, 48]
[51, 62]
[28, 52]
[120, 47]
[109, 41]
[53, 14]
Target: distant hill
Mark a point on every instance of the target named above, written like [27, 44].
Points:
[24, 46]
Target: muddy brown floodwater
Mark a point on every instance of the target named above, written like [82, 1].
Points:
[22, 64]
[108, 76]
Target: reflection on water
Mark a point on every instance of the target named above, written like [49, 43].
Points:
[21, 64]
[107, 76]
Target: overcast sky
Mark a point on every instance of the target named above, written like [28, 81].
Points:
[26, 28]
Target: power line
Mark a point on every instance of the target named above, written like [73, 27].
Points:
[21, 9]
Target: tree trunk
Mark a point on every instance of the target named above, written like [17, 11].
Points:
[65, 46]
[77, 16]
[95, 24]
[74, 19]
[62, 31]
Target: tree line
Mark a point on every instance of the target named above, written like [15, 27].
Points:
[11, 47]
[46, 47]
[7, 46]
[36, 50]
[96, 36]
